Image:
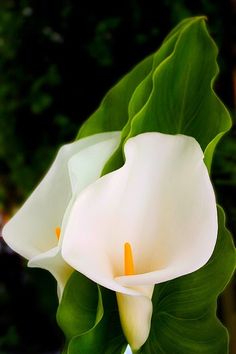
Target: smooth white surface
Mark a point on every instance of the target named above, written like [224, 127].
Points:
[161, 202]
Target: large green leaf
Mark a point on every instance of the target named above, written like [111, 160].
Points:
[89, 328]
[184, 317]
[182, 100]
[177, 95]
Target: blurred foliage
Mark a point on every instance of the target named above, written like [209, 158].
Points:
[57, 60]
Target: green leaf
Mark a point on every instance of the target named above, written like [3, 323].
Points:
[182, 100]
[77, 312]
[89, 328]
[184, 310]
[177, 95]
[183, 24]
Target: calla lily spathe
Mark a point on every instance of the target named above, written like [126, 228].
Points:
[161, 202]
[31, 232]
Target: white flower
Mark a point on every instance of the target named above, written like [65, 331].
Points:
[35, 229]
[152, 220]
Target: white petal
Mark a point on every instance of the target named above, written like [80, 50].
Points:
[135, 316]
[31, 231]
[84, 168]
[55, 264]
[161, 202]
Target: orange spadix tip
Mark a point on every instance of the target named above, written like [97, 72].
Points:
[58, 232]
[128, 259]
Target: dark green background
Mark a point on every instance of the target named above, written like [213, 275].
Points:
[57, 60]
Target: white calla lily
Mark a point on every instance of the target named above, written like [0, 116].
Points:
[31, 232]
[161, 206]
